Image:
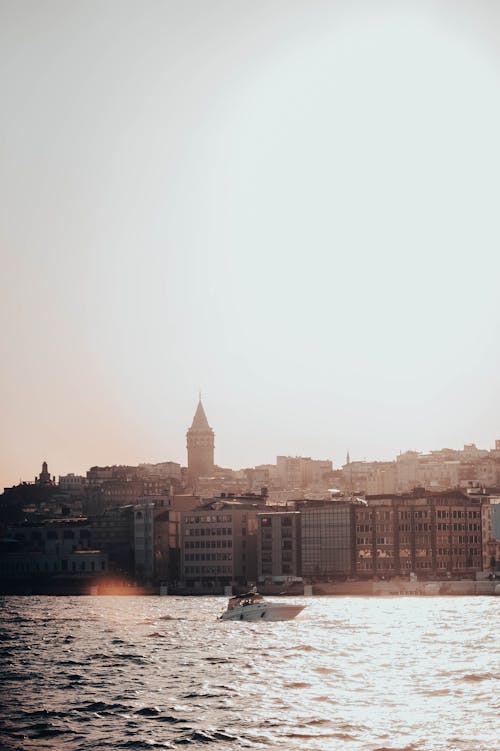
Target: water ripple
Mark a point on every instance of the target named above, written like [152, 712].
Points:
[356, 674]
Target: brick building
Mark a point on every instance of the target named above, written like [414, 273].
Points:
[431, 535]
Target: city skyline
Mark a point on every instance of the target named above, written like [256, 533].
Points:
[199, 456]
[291, 207]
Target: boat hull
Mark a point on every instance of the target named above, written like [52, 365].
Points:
[262, 612]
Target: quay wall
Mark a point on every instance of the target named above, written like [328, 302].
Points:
[395, 588]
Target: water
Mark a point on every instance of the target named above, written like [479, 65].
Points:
[419, 674]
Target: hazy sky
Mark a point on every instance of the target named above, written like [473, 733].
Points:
[292, 205]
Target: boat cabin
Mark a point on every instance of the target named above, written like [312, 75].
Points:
[250, 598]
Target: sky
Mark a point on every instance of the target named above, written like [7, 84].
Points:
[291, 206]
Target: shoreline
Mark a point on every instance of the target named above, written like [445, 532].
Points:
[380, 588]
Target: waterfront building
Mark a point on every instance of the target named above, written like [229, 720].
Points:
[430, 534]
[157, 538]
[200, 446]
[144, 521]
[167, 538]
[327, 538]
[179, 504]
[491, 533]
[219, 543]
[278, 545]
[495, 516]
[113, 532]
[46, 553]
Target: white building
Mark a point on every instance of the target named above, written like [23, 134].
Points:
[71, 482]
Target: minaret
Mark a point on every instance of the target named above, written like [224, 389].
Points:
[200, 445]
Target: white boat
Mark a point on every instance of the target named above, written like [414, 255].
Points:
[253, 607]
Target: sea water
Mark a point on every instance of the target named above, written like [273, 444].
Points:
[350, 673]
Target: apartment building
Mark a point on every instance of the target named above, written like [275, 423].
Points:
[295, 472]
[113, 533]
[278, 545]
[53, 548]
[219, 543]
[432, 535]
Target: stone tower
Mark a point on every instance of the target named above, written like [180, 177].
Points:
[44, 476]
[200, 445]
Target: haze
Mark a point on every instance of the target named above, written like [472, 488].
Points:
[291, 206]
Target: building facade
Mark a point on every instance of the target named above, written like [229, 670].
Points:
[113, 532]
[219, 544]
[156, 538]
[431, 535]
[327, 539]
[51, 550]
[144, 529]
[278, 545]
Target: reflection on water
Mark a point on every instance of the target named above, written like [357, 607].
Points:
[155, 673]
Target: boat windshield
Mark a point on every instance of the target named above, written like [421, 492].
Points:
[247, 599]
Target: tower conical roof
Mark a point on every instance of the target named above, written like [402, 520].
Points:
[200, 421]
